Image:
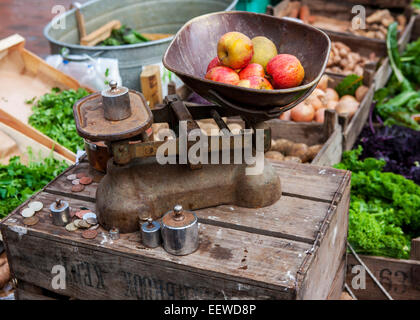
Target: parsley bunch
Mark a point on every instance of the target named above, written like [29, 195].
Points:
[18, 181]
[53, 116]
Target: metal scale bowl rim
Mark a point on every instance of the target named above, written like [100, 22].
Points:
[202, 85]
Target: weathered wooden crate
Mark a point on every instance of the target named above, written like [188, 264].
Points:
[401, 278]
[28, 76]
[328, 134]
[343, 11]
[294, 249]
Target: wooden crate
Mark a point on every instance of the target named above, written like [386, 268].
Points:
[343, 12]
[401, 278]
[328, 134]
[28, 76]
[293, 249]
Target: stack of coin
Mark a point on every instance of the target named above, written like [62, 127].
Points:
[79, 181]
[29, 212]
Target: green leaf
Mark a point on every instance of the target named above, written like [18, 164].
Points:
[349, 85]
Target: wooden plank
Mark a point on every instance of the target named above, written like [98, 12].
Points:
[100, 34]
[356, 124]
[62, 186]
[307, 181]
[235, 256]
[320, 271]
[36, 135]
[401, 278]
[289, 218]
[151, 85]
[338, 282]
[27, 291]
[11, 41]
[415, 249]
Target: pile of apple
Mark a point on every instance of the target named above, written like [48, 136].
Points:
[253, 64]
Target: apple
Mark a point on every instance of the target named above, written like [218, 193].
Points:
[253, 69]
[214, 63]
[235, 50]
[286, 71]
[264, 50]
[257, 82]
[244, 83]
[223, 74]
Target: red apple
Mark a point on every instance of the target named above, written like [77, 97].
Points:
[257, 82]
[286, 71]
[223, 74]
[253, 69]
[235, 50]
[214, 63]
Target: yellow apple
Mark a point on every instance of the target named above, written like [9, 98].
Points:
[235, 50]
[264, 51]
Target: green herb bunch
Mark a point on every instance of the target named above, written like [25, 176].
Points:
[18, 181]
[399, 100]
[384, 210]
[53, 116]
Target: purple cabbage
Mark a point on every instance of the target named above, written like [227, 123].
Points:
[398, 146]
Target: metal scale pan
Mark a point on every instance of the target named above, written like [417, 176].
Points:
[195, 45]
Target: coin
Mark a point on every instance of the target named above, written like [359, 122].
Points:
[89, 215]
[31, 221]
[76, 222]
[96, 226]
[75, 181]
[81, 213]
[77, 188]
[86, 180]
[36, 205]
[91, 221]
[89, 234]
[71, 227]
[71, 177]
[83, 224]
[81, 175]
[27, 212]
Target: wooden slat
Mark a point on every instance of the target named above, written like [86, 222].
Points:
[289, 218]
[415, 249]
[401, 278]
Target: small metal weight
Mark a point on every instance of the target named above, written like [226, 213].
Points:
[114, 233]
[180, 231]
[60, 212]
[150, 233]
[116, 102]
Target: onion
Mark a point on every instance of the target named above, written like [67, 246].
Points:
[331, 105]
[314, 102]
[331, 94]
[323, 83]
[347, 104]
[302, 113]
[319, 115]
[285, 115]
[361, 92]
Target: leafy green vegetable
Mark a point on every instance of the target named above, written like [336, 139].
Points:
[349, 85]
[399, 101]
[384, 209]
[18, 182]
[123, 35]
[53, 116]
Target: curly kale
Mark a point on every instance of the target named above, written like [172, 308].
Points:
[384, 211]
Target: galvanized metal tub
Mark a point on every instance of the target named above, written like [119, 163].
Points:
[149, 16]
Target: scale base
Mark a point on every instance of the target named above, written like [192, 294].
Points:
[130, 194]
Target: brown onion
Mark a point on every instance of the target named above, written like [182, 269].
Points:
[302, 113]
